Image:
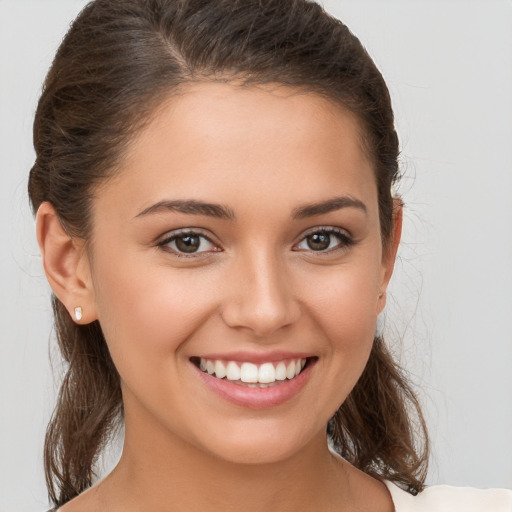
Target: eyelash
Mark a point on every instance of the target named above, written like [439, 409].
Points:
[345, 241]
[163, 244]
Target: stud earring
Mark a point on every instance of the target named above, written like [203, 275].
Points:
[78, 313]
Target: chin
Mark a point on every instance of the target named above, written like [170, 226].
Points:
[263, 454]
[265, 444]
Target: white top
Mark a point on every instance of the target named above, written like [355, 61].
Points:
[445, 498]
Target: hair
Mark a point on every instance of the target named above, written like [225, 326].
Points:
[118, 62]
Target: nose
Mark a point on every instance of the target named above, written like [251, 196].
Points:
[260, 295]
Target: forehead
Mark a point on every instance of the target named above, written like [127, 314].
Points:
[208, 110]
[251, 141]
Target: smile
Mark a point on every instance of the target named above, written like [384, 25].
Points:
[257, 375]
[256, 381]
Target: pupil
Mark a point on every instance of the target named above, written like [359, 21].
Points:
[188, 243]
[319, 241]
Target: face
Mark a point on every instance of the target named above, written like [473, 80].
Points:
[240, 237]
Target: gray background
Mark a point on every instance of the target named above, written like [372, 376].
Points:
[449, 68]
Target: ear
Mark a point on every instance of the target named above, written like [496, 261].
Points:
[66, 265]
[389, 253]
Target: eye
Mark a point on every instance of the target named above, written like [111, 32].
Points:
[325, 240]
[188, 243]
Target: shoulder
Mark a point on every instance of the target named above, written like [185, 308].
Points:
[445, 498]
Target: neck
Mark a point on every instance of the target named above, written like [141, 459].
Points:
[151, 473]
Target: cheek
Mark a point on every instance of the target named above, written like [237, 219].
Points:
[149, 313]
[345, 303]
[344, 310]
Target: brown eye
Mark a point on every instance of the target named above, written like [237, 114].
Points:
[318, 241]
[325, 240]
[188, 243]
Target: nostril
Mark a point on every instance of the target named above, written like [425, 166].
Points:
[264, 306]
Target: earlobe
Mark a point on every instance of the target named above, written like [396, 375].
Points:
[65, 264]
[390, 251]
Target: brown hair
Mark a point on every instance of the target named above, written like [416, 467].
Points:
[116, 64]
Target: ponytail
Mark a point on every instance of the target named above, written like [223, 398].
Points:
[373, 428]
[88, 408]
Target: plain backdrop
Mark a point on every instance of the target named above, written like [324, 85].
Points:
[448, 64]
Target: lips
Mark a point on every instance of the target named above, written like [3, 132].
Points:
[255, 382]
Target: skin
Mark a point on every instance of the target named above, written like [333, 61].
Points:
[262, 153]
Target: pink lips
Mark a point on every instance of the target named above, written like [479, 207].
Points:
[255, 397]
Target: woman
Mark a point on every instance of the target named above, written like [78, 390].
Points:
[214, 210]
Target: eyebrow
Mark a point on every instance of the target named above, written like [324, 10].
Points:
[331, 205]
[193, 207]
[190, 207]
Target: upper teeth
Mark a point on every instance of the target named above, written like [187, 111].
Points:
[252, 373]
